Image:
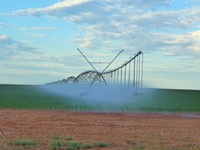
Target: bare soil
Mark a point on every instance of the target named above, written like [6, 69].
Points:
[121, 130]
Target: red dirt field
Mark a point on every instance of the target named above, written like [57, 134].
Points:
[122, 131]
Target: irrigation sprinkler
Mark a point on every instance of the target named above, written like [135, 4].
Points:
[128, 75]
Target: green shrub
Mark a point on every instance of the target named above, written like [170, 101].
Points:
[55, 137]
[76, 145]
[25, 143]
[55, 145]
[69, 138]
[101, 144]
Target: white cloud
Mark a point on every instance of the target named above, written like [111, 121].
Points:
[37, 28]
[67, 3]
[147, 3]
[22, 29]
[38, 35]
[145, 25]
[13, 50]
[194, 48]
[84, 8]
[10, 48]
[4, 39]
[2, 24]
[57, 10]
[198, 1]
[42, 28]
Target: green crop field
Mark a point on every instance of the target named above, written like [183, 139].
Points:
[152, 100]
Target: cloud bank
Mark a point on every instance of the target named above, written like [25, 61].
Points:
[12, 48]
[166, 27]
[145, 25]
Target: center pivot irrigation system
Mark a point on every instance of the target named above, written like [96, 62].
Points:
[127, 76]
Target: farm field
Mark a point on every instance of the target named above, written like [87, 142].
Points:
[152, 100]
[65, 130]
[33, 118]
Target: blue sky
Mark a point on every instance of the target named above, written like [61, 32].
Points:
[39, 39]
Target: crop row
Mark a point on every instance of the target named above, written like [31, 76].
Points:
[152, 100]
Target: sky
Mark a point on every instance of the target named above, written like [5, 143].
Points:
[39, 39]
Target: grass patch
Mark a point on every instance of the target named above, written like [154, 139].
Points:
[86, 146]
[102, 144]
[142, 147]
[73, 145]
[68, 144]
[25, 143]
[69, 138]
[55, 137]
[55, 145]
[76, 145]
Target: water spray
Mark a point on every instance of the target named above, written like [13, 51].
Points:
[127, 77]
